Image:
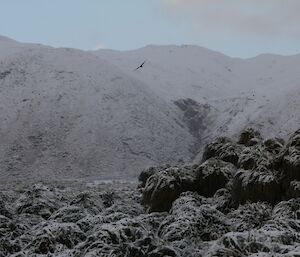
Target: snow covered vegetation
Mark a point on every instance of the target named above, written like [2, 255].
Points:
[214, 142]
[242, 199]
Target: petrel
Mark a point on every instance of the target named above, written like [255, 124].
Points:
[141, 66]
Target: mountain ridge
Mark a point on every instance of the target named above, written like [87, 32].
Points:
[9, 39]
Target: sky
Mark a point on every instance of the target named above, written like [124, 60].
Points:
[239, 28]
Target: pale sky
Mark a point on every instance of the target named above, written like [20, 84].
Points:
[242, 28]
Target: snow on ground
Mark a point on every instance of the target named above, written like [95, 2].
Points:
[65, 111]
[86, 123]
[95, 115]
[244, 91]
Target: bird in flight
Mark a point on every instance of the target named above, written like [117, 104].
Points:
[141, 66]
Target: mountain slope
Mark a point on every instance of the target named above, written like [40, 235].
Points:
[66, 113]
[241, 92]
[176, 71]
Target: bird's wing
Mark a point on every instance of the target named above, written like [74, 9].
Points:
[141, 66]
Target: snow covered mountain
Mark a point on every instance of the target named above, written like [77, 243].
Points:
[262, 92]
[70, 113]
[67, 113]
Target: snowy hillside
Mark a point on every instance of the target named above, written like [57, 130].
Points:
[242, 92]
[67, 113]
[94, 114]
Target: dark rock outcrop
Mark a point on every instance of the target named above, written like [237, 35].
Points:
[197, 116]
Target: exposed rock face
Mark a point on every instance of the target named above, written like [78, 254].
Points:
[197, 116]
